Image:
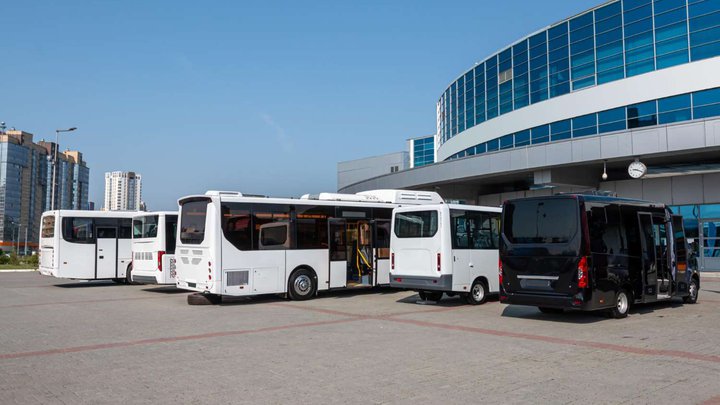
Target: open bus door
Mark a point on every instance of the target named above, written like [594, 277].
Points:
[381, 239]
[656, 256]
[338, 252]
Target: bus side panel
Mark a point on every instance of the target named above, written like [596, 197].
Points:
[485, 264]
[383, 272]
[77, 260]
[124, 256]
[316, 259]
[48, 261]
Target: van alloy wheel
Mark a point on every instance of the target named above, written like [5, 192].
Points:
[693, 292]
[477, 294]
[622, 305]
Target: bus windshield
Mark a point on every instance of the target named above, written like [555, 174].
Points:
[541, 221]
[192, 221]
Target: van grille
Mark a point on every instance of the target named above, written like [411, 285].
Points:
[237, 278]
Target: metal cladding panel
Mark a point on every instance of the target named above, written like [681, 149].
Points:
[687, 189]
[559, 153]
[629, 189]
[519, 159]
[616, 145]
[499, 162]
[690, 136]
[712, 133]
[586, 149]
[537, 156]
[711, 191]
[649, 141]
[659, 190]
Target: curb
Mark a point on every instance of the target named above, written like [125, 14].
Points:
[17, 270]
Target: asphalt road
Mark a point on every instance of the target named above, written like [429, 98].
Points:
[68, 342]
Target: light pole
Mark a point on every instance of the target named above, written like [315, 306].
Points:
[57, 136]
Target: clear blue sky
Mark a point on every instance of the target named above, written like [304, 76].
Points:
[261, 97]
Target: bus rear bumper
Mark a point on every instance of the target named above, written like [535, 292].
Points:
[442, 283]
[144, 279]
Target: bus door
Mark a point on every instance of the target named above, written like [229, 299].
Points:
[338, 253]
[647, 253]
[381, 237]
[663, 254]
[106, 252]
[360, 254]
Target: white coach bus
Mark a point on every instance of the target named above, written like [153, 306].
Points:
[231, 244]
[153, 247]
[446, 248]
[86, 245]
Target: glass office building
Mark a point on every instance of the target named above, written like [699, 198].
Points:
[25, 175]
[422, 150]
[615, 41]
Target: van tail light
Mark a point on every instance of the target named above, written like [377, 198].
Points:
[582, 270]
[438, 262]
[500, 272]
[392, 261]
[160, 256]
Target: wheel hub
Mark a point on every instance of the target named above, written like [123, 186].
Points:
[622, 303]
[478, 292]
[302, 284]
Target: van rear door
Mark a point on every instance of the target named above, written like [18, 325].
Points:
[541, 245]
[416, 243]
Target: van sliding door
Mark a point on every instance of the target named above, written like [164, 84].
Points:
[647, 254]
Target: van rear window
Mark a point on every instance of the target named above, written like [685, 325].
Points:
[419, 224]
[541, 221]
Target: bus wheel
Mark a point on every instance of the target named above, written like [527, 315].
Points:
[622, 305]
[693, 292]
[203, 299]
[301, 285]
[477, 294]
[430, 295]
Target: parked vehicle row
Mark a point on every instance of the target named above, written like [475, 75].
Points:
[580, 252]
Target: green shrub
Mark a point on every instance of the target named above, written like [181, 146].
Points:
[14, 259]
[33, 261]
[4, 259]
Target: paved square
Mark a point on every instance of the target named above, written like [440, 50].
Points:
[70, 342]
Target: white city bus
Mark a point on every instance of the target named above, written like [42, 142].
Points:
[153, 247]
[231, 244]
[86, 245]
[446, 248]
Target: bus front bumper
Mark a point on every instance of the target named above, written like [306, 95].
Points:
[442, 283]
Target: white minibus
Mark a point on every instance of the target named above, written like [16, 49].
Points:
[446, 248]
[86, 245]
[153, 247]
[238, 245]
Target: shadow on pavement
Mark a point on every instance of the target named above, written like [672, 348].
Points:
[580, 317]
[165, 290]
[89, 284]
[446, 301]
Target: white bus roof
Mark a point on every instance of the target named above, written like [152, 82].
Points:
[451, 206]
[92, 214]
[146, 213]
[372, 197]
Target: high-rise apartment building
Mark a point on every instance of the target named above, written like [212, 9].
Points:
[123, 191]
[26, 171]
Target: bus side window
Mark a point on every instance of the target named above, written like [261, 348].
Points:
[460, 231]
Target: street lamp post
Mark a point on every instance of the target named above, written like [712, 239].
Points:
[57, 136]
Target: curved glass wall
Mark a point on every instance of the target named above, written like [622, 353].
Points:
[617, 40]
[683, 107]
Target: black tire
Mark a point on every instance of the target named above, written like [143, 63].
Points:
[623, 298]
[546, 310]
[693, 292]
[478, 293]
[430, 295]
[203, 299]
[128, 275]
[302, 285]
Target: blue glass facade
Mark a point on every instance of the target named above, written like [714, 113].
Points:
[683, 107]
[423, 151]
[621, 39]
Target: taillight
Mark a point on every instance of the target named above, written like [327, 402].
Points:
[582, 270]
[392, 261]
[438, 261]
[160, 256]
[500, 272]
